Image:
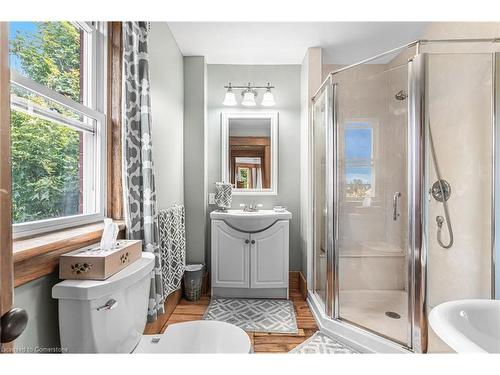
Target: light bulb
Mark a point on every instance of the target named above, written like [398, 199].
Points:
[249, 99]
[230, 98]
[268, 99]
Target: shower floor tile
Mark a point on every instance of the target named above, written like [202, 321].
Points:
[367, 308]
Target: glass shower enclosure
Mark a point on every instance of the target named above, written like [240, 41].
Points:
[372, 174]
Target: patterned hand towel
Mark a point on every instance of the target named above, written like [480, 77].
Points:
[172, 242]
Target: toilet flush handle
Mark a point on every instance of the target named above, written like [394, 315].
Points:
[111, 304]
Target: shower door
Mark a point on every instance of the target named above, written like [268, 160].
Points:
[368, 135]
[322, 112]
[371, 244]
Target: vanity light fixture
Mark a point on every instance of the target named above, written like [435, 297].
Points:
[230, 98]
[249, 93]
[249, 97]
[268, 98]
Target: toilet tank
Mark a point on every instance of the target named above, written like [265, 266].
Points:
[106, 316]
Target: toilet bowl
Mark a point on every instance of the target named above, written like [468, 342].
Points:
[199, 336]
[109, 316]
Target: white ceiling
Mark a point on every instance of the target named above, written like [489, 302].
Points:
[286, 42]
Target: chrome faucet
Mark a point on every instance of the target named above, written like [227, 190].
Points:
[251, 207]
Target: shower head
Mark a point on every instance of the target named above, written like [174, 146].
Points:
[401, 95]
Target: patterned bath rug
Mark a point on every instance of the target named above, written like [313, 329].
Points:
[319, 343]
[254, 315]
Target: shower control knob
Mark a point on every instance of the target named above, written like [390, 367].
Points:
[441, 190]
[253, 242]
[247, 241]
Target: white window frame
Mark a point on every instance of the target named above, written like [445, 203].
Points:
[372, 125]
[95, 97]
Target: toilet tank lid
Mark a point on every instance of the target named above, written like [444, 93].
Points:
[93, 289]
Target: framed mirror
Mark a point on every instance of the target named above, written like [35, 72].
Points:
[249, 148]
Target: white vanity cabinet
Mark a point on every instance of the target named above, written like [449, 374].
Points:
[269, 257]
[250, 264]
[230, 256]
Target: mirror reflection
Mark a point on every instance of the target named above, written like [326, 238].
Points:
[250, 153]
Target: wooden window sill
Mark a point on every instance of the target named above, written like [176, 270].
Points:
[38, 256]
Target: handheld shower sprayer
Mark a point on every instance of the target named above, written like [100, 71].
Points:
[441, 191]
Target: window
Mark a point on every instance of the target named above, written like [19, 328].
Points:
[57, 124]
[242, 178]
[359, 164]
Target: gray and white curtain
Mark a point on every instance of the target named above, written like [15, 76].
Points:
[138, 176]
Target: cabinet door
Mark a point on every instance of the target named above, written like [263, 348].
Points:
[269, 257]
[230, 256]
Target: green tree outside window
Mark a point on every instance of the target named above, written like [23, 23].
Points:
[46, 162]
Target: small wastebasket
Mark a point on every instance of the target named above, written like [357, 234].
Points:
[193, 276]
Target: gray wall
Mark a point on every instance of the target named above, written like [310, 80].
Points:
[167, 106]
[42, 330]
[195, 161]
[286, 78]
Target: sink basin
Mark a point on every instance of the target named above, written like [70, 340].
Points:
[468, 326]
[250, 221]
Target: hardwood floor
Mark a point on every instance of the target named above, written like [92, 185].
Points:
[262, 342]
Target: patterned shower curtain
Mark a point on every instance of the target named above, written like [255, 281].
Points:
[138, 176]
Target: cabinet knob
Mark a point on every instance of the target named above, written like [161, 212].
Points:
[247, 241]
[253, 242]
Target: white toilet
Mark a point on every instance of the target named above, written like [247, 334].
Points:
[109, 317]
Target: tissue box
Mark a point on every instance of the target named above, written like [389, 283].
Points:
[91, 263]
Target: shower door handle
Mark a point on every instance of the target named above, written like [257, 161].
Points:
[395, 200]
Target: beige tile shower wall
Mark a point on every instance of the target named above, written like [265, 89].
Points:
[461, 121]
[460, 115]
[459, 103]
[461, 30]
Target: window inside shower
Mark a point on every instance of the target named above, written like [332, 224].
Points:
[359, 169]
